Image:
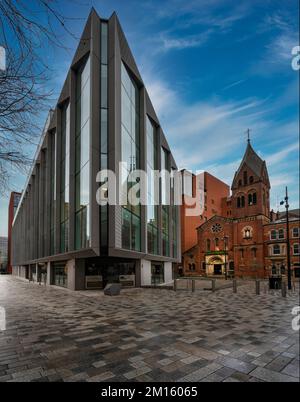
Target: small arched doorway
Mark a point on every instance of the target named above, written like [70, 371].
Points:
[215, 266]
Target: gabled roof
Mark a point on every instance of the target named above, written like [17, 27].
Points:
[213, 218]
[254, 162]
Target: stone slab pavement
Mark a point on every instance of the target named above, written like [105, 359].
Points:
[146, 335]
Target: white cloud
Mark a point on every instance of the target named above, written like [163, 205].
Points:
[282, 155]
[166, 43]
[277, 55]
[210, 134]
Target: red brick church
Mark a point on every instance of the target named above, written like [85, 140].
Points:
[246, 239]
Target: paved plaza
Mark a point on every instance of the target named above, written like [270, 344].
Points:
[147, 335]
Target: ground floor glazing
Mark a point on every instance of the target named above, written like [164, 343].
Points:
[97, 272]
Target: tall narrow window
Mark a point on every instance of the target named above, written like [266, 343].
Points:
[276, 249]
[249, 199]
[254, 198]
[242, 201]
[207, 245]
[238, 202]
[152, 207]
[165, 198]
[174, 218]
[245, 178]
[130, 150]
[52, 191]
[273, 235]
[65, 174]
[104, 128]
[295, 232]
[82, 168]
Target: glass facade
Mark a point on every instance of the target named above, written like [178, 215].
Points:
[104, 128]
[111, 271]
[60, 274]
[174, 220]
[130, 149]
[82, 163]
[52, 191]
[65, 177]
[157, 273]
[165, 199]
[152, 208]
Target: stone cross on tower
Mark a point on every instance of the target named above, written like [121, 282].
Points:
[248, 135]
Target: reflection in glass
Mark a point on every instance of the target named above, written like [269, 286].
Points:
[104, 127]
[152, 209]
[131, 221]
[165, 193]
[82, 177]
[65, 175]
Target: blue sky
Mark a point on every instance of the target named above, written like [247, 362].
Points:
[213, 68]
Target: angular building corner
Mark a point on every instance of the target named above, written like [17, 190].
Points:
[103, 116]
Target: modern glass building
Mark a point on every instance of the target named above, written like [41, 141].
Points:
[104, 116]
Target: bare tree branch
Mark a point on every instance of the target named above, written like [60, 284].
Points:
[27, 29]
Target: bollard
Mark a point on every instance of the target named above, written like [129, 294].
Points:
[234, 282]
[283, 289]
[213, 285]
[193, 285]
[175, 285]
[257, 287]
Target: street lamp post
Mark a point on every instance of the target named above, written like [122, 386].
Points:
[286, 202]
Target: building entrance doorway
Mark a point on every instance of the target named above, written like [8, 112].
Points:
[217, 269]
[215, 265]
[157, 273]
[100, 272]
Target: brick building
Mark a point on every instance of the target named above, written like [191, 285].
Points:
[240, 240]
[275, 243]
[210, 202]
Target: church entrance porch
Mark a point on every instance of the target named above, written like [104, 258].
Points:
[215, 265]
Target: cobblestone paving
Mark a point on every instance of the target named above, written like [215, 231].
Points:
[146, 335]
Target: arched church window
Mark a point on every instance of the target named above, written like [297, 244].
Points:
[245, 176]
[254, 198]
[238, 202]
[247, 233]
[251, 179]
[249, 199]
[242, 201]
